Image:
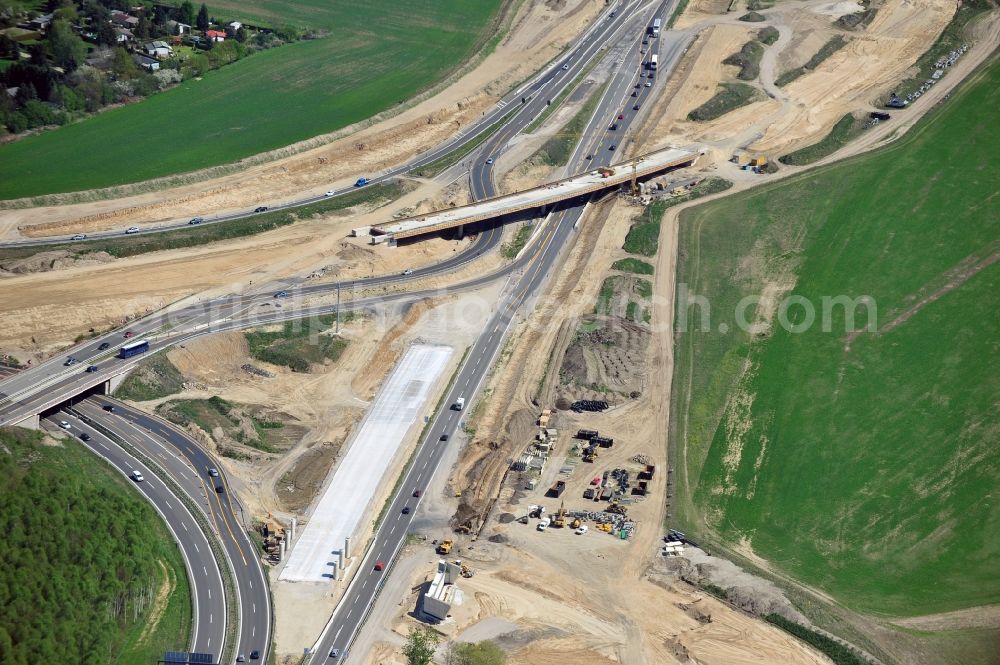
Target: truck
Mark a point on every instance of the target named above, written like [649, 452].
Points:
[361, 182]
[654, 30]
[459, 404]
[557, 489]
[133, 348]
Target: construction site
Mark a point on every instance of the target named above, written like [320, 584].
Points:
[544, 527]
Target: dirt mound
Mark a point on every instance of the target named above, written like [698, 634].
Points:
[351, 252]
[297, 487]
[607, 356]
[45, 261]
[487, 466]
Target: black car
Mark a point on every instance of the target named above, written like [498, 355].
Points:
[612, 147]
[590, 156]
[197, 220]
[84, 436]
[92, 369]
[444, 437]
[110, 408]
[260, 209]
[635, 108]
[220, 489]
[254, 655]
[406, 510]
[104, 346]
[281, 294]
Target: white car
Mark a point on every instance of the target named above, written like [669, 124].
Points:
[330, 193]
[408, 271]
[79, 236]
[648, 84]
[137, 476]
[565, 67]
[582, 530]
[543, 525]
[64, 424]
[132, 229]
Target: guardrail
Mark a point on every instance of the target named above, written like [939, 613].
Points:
[228, 583]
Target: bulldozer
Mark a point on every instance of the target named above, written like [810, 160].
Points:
[605, 527]
[444, 547]
[575, 524]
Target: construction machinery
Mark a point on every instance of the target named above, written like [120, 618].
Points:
[444, 547]
[575, 524]
[559, 521]
[605, 527]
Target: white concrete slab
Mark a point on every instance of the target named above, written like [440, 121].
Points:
[348, 497]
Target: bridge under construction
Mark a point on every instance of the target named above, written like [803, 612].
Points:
[548, 194]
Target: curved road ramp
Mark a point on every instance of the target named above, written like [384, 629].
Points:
[349, 495]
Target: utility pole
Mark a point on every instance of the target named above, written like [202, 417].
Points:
[338, 309]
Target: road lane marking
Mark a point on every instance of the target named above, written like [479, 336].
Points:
[205, 570]
[184, 525]
[196, 548]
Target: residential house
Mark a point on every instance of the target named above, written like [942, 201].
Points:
[123, 20]
[146, 62]
[216, 35]
[235, 25]
[178, 28]
[123, 35]
[158, 49]
[40, 22]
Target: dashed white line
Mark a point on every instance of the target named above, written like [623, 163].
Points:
[205, 570]
[196, 548]
[184, 525]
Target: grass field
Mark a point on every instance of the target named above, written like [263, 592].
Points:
[861, 464]
[267, 101]
[79, 543]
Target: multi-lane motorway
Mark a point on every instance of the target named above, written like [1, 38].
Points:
[209, 598]
[188, 464]
[50, 383]
[557, 232]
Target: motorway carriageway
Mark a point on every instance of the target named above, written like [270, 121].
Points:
[208, 593]
[187, 463]
[555, 234]
[545, 85]
[562, 222]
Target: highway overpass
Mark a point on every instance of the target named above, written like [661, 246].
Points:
[538, 197]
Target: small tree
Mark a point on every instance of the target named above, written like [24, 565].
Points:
[185, 13]
[202, 20]
[420, 646]
[68, 50]
[123, 65]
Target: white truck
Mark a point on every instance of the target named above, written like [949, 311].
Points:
[459, 404]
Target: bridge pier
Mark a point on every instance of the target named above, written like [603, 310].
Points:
[111, 385]
[28, 422]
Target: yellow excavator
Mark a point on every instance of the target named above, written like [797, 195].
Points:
[559, 521]
[444, 547]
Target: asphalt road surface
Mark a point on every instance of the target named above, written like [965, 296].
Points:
[20, 394]
[549, 82]
[557, 233]
[188, 463]
[207, 591]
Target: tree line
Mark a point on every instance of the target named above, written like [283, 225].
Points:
[79, 566]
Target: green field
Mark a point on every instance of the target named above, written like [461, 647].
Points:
[272, 99]
[861, 464]
[79, 542]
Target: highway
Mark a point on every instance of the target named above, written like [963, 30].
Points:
[51, 382]
[207, 591]
[187, 463]
[556, 234]
[547, 83]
